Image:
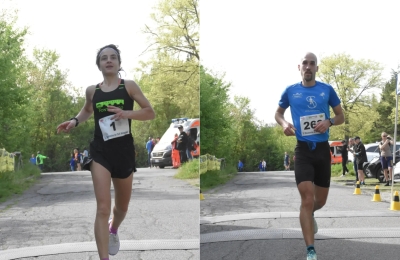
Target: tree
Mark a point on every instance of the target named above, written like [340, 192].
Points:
[177, 31]
[12, 60]
[353, 80]
[216, 123]
[170, 78]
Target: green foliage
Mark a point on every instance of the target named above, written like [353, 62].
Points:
[12, 78]
[170, 78]
[229, 129]
[216, 123]
[354, 82]
[177, 30]
[189, 170]
[16, 182]
[37, 96]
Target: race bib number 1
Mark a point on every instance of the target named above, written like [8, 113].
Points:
[309, 122]
[113, 129]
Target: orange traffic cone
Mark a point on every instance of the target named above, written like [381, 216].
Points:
[357, 191]
[377, 195]
[395, 205]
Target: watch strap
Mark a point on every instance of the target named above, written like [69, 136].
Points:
[76, 120]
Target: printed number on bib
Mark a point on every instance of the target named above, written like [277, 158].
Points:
[113, 129]
[308, 123]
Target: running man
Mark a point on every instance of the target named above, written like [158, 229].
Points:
[309, 102]
[112, 152]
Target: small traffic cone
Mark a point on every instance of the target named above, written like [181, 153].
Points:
[357, 191]
[377, 195]
[395, 205]
[201, 196]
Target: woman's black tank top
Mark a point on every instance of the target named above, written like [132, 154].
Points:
[119, 97]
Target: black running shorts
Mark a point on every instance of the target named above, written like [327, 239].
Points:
[117, 156]
[360, 164]
[313, 165]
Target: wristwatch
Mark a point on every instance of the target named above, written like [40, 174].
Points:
[332, 120]
[76, 119]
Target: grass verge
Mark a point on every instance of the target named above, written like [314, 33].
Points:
[213, 179]
[350, 178]
[17, 182]
[190, 172]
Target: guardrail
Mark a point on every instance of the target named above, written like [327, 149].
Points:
[6, 160]
[210, 163]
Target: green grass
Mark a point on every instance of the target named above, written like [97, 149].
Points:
[212, 179]
[12, 183]
[351, 177]
[189, 170]
[336, 170]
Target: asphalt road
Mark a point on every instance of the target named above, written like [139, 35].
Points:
[255, 216]
[54, 219]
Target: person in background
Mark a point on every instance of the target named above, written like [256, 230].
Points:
[149, 148]
[386, 157]
[39, 160]
[32, 160]
[85, 155]
[351, 148]
[240, 166]
[361, 156]
[176, 161]
[345, 157]
[286, 162]
[72, 163]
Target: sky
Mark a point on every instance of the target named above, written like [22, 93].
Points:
[76, 30]
[258, 44]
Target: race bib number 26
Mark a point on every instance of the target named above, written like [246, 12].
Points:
[308, 123]
[113, 129]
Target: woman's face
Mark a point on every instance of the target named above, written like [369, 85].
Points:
[109, 63]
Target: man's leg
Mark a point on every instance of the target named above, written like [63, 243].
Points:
[355, 169]
[313, 198]
[306, 190]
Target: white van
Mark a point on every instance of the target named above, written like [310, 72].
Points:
[161, 154]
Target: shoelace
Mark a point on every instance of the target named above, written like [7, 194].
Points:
[311, 253]
[114, 238]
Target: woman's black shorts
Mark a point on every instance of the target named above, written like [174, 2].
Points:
[116, 155]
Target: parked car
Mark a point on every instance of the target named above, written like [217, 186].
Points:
[396, 172]
[372, 150]
[373, 168]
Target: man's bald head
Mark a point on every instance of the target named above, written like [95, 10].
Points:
[308, 68]
[309, 56]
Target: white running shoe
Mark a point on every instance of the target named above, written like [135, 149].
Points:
[113, 242]
[315, 223]
[311, 255]
[315, 226]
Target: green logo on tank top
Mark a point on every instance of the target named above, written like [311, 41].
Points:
[102, 106]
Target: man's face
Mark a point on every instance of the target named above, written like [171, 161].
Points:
[308, 67]
[180, 130]
[357, 141]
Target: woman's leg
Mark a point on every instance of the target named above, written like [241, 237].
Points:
[101, 182]
[123, 191]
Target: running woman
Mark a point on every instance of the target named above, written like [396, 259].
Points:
[309, 102]
[112, 151]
